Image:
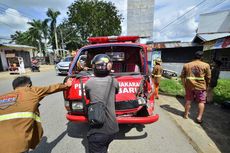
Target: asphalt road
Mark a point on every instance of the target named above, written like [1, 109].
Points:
[61, 136]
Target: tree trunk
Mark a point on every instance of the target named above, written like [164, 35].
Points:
[55, 37]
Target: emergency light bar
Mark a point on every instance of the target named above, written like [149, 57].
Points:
[95, 40]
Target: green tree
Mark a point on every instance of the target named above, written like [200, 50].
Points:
[94, 18]
[52, 14]
[20, 38]
[71, 36]
[36, 34]
[45, 30]
[24, 38]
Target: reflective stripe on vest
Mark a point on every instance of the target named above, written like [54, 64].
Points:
[20, 115]
[195, 78]
[157, 75]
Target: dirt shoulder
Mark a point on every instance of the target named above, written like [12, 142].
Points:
[43, 68]
[213, 135]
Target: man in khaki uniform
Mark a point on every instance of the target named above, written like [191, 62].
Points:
[156, 75]
[20, 124]
[195, 77]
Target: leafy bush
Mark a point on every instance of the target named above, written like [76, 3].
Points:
[175, 88]
[222, 90]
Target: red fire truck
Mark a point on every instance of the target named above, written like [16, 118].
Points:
[135, 100]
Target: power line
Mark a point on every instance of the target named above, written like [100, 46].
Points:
[22, 13]
[203, 11]
[182, 15]
[2, 10]
[2, 38]
[185, 19]
[7, 24]
[13, 14]
[219, 4]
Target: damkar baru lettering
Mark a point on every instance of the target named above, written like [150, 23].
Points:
[124, 87]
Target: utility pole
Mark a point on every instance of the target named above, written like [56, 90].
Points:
[62, 43]
[39, 47]
[55, 37]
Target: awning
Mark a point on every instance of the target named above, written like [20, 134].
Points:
[17, 47]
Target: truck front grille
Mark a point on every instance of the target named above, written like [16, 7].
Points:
[123, 105]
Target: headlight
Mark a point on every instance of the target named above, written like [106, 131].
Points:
[141, 101]
[77, 105]
[57, 66]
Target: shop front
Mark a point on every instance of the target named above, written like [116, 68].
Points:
[218, 49]
[10, 51]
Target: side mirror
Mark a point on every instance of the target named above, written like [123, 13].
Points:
[82, 61]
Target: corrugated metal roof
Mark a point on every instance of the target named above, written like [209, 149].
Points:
[215, 22]
[208, 37]
[17, 46]
[172, 44]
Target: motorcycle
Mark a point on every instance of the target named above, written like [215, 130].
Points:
[35, 67]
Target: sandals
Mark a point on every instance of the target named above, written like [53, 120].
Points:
[185, 116]
[199, 121]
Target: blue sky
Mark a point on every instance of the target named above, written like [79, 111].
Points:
[173, 19]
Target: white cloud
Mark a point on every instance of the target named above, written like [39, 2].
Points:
[174, 22]
[186, 21]
[17, 13]
[14, 20]
[165, 11]
[56, 4]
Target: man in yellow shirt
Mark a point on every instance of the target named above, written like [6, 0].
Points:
[195, 77]
[20, 121]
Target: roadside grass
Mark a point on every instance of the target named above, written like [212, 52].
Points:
[222, 91]
[175, 88]
[171, 87]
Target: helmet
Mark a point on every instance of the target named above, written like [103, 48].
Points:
[101, 65]
[158, 61]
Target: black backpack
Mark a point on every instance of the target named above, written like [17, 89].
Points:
[97, 110]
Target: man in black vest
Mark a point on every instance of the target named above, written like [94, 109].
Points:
[96, 88]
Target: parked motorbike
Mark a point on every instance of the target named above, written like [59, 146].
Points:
[35, 68]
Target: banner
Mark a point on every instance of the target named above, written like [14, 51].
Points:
[217, 44]
[155, 55]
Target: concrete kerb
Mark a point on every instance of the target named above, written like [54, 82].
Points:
[43, 68]
[194, 132]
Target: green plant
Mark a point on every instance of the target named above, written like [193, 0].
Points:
[222, 91]
[172, 87]
[175, 88]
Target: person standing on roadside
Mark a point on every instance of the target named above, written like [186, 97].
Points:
[97, 88]
[156, 76]
[20, 123]
[215, 72]
[195, 77]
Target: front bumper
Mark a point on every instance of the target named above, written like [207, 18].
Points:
[120, 120]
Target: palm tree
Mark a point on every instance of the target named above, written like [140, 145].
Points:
[45, 30]
[53, 18]
[36, 33]
[20, 38]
